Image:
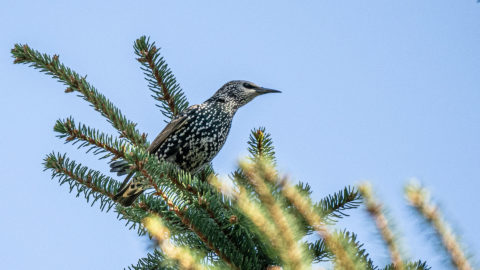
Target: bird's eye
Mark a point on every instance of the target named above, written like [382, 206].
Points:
[248, 86]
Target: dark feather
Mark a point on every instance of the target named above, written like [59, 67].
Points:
[128, 193]
[121, 167]
[174, 125]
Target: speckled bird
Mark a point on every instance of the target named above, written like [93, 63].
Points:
[195, 136]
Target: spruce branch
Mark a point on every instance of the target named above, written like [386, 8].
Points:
[375, 209]
[207, 239]
[257, 173]
[303, 205]
[160, 78]
[179, 190]
[87, 136]
[52, 66]
[348, 240]
[333, 206]
[181, 255]
[261, 145]
[180, 202]
[155, 260]
[354, 249]
[150, 205]
[359, 255]
[329, 208]
[258, 217]
[92, 184]
[417, 265]
[165, 176]
[272, 228]
[98, 187]
[419, 198]
[319, 251]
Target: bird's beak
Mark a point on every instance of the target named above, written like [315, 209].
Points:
[261, 90]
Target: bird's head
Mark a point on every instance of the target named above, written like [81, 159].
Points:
[238, 93]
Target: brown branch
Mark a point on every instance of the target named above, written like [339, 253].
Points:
[256, 177]
[84, 182]
[52, 66]
[75, 133]
[185, 220]
[418, 197]
[180, 254]
[375, 210]
[305, 208]
[166, 95]
[259, 138]
[205, 206]
[139, 165]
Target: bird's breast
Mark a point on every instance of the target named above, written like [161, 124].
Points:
[198, 141]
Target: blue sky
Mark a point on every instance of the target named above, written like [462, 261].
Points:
[372, 90]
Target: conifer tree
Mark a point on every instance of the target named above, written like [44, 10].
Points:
[260, 221]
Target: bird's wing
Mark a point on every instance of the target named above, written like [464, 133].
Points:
[174, 125]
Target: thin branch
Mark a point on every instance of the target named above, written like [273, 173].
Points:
[160, 78]
[52, 66]
[256, 175]
[420, 200]
[375, 210]
[304, 206]
[261, 145]
[143, 166]
[181, 255]
[333, 206]
[253, 210]
[92, 137]
[154, 260]
[90, 182]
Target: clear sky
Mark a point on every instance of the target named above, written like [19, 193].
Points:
[372, 90]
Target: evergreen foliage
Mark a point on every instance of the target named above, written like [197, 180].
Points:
[92, 184]
[160, 78]
[52, 66]
[261, 222]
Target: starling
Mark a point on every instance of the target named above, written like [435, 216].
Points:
[195, 136]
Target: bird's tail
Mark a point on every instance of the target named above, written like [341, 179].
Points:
[121, 167]
[130, 189]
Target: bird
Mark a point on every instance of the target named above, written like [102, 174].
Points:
[194, 137]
